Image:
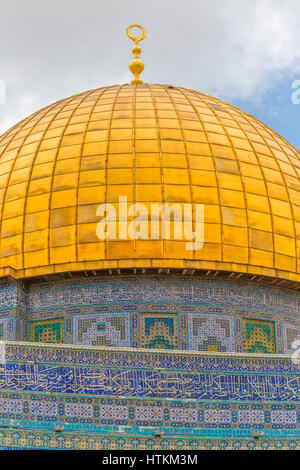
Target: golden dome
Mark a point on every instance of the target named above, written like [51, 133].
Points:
[151, 143]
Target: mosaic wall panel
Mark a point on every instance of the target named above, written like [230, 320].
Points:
[21, 327]
[187, 339]
[3, 329]
[156, 360]
[175, 289]
[291, 333]
[159, 331]
[8, 295]
[211, 333]
[50, 331]
[159, 384]
[178, 295]
[76, 412]
[12, 440]
[81, 303]
[102, 329]
[107, 398]
[259, 336]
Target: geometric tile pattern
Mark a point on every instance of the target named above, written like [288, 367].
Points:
[135, 295]
[14, 440]
[248, 416]
[47, 331]
[181, 360]
[259, 336]
[159, 331]
[102, 330]
[106, 311]
[78, 410]
[217, 416]
[3, 329]
[126, 420]
[284, 416]
[164, 289]
[108, 399]
[211, 333]
[291, 333]
[75, 411]
[202, 328]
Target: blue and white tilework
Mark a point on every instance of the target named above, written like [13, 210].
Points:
[108, 392]
[163, 289]
[110, 310]
[291, 333]
[111, 329]
[3, 329]
[211, 333]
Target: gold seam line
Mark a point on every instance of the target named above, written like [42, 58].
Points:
[117, 92]
[285, 183]
[240, 172]
[69, 100]
[55, 163]
[163, 198]
[99, 93]
[187, 156]
[28, 120]
[259, 165]
[268, 194]
[202, 122]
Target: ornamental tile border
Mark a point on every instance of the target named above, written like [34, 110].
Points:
[10, 440]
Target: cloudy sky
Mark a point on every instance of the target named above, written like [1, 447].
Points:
[247, 53]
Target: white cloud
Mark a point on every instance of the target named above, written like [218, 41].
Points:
[231, 48]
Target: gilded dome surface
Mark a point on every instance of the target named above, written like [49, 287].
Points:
[153, 144]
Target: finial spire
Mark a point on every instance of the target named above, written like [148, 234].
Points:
[136, 66]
